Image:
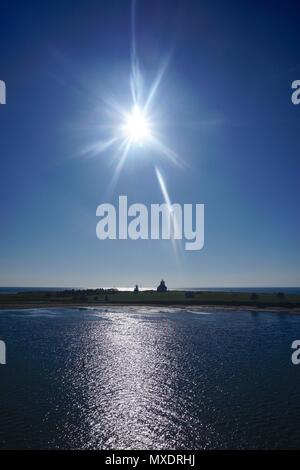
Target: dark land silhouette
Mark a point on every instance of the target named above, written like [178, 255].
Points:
[161, 296]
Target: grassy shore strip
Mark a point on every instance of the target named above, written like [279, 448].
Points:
[100, 297]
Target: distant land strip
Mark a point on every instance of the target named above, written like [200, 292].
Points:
[105, 297]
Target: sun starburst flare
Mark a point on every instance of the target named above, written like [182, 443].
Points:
[135, 125]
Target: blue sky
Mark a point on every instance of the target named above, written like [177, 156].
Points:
[225, 100]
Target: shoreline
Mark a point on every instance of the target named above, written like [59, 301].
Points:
[99, 298]
[216, 306]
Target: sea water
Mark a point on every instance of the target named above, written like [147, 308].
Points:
[149, 378]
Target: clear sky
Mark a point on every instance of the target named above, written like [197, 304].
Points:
[225, 105]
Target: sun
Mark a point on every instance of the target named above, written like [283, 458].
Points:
[137, 126]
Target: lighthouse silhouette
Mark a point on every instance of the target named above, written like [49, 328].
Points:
[162, 286]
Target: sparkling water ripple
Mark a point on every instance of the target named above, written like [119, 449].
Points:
[148, 378]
